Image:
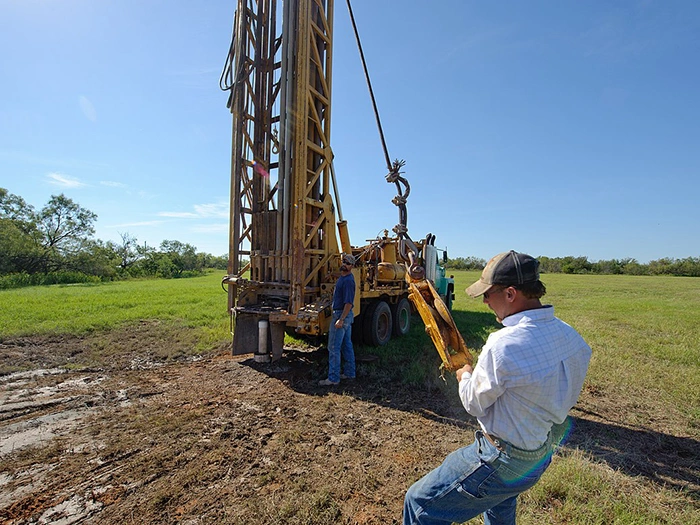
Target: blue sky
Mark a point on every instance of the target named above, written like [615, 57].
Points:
[550, 127]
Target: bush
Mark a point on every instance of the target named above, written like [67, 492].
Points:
[20, 280]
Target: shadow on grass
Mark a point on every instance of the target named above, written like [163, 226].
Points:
[661, 458]
[664, 459]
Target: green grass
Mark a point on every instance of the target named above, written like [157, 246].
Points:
[645, 371]
[577, 490]
[644, 332]
[646, 365]
[645, 329]
[198, 303]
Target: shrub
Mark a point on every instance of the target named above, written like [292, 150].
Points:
[20, 280]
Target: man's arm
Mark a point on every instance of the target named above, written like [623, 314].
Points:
[349, 296]
[346, 310]
[478, 386]
[465, 369]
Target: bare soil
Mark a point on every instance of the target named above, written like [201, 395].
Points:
[147, 434]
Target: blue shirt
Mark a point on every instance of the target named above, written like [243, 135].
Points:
[528, 376]
[344, 291]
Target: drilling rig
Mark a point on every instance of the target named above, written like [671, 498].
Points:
[286, 232]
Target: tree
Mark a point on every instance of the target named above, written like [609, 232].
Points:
[182, 256]
[14, 208]
[549, 264]
[128, 251]
[45, 241]
[65, 225]
[220, 262]
[59, 238]
[94, 258]
[469, 263]
[572, 264]
[18, 251]
[18, 235]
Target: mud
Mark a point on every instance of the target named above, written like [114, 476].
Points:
[149, 436]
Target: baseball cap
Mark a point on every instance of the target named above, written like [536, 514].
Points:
[509, 268]
[348, 259]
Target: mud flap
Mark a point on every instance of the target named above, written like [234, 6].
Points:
[246, 334]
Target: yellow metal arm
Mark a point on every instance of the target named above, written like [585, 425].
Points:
[439, 325]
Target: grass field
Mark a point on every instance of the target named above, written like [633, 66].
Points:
[643, 387]
[198, 303]
[643, 330]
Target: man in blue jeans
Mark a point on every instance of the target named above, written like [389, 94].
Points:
[527, 378]
[340, 333]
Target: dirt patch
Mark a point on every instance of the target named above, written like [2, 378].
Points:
[143, 434]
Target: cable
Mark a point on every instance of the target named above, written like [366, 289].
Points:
[393, 176]
[369, 85]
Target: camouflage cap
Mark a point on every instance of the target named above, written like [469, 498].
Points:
[348, 259]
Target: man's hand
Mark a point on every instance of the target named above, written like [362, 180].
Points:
[466, 368]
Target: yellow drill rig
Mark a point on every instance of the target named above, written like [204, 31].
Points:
[287, 233]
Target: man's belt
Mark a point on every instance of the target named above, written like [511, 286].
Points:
[519, 453]
[496, 442]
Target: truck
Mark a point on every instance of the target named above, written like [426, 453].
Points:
[287, 233]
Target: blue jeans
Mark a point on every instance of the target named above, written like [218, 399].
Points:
[474, 479]
[340, 345]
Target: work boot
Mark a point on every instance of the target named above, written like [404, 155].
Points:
[328, 382]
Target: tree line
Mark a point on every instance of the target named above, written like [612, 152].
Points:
[56, 245]
[687, 267]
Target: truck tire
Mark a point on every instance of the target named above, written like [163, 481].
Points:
[448, 297]
[401, 312]
[358, 329]
[378, 324]
[365, 328]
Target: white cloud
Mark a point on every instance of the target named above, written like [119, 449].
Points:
[212, 210]
[143, 223]
[195, 78]
[112, 184]
[88, 109]
[53, 162]
[178, 214]
[201, 211]
[211, 228]
[195, 72]
[58, 179]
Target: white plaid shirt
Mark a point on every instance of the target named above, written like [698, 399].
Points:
[528, 377]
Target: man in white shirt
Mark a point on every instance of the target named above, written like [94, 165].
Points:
[527, 378]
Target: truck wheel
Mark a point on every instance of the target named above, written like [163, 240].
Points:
[365, 328]
[401, 313]
[378, 324]
[358, 329]
[448, 298]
